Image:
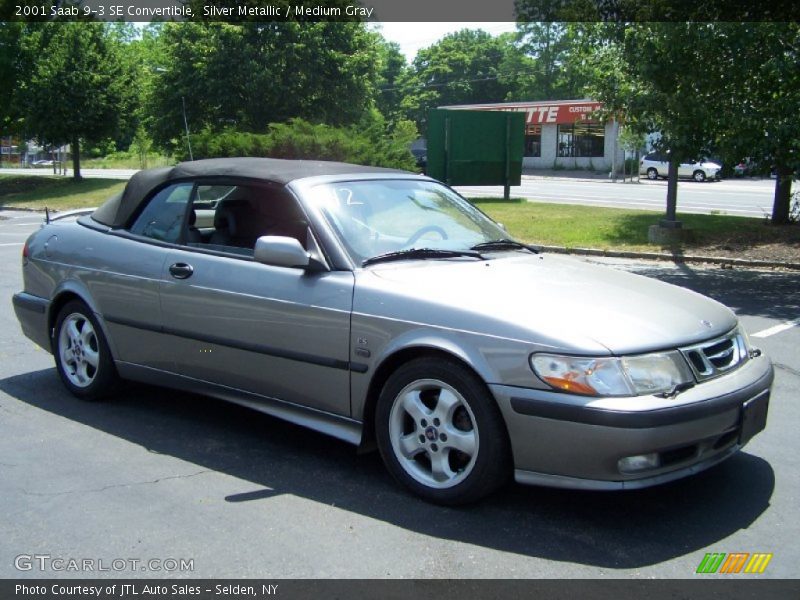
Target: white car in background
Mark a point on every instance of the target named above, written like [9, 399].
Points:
[656, 165]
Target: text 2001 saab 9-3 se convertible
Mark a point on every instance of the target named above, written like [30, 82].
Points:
[380, 307]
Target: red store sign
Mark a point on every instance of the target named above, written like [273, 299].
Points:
[543, 114]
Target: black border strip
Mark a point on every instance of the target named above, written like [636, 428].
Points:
[547, 409]
[618, 11]
[704, 586]
[322, 361]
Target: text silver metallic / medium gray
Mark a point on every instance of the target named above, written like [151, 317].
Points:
[381, 308]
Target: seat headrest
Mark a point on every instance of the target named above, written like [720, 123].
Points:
[224, 219]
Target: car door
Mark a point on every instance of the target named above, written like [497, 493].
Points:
[128, 270]
[274, 331]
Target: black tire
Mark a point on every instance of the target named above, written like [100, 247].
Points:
[469, 415]
[652, 173]
[699, 176]
[75, 355]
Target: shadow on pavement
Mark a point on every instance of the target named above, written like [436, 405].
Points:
[772, 294]
[613, 530]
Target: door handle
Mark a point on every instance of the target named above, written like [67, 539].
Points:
[181, 270]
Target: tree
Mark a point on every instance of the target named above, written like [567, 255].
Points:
[392, 68]
[10, 73]
[733, 87]
[462, 68]
[249, 75]
[546, 75]
[660, 77]
[73, 91]
[761, 63]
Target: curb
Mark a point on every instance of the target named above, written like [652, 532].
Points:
[24, 209]
[683, 258]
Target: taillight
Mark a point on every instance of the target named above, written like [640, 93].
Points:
[25, 252]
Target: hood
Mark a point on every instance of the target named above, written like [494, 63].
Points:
[552, 301]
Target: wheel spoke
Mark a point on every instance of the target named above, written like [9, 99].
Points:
[444, 407]
[440, 466]
[414, 406]
[91, 356]
[463, 441]
[82, 371]
[72, 329]
[87, 333]
[410, 445]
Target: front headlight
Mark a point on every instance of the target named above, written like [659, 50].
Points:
[613, 376]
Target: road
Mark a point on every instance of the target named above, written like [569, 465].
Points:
[156, 474]
[88, 173]
[737, 197]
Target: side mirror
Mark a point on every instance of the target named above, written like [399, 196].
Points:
[281, 251]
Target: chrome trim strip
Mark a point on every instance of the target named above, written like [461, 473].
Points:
[709, 370]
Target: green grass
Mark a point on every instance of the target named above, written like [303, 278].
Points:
[55, 193]
[532, 222]
[612, 228]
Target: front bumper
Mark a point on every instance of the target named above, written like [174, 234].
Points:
[32, 314]
[564, 440]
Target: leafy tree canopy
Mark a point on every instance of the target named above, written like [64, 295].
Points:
[249, 75]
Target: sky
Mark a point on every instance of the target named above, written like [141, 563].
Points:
[414, 36]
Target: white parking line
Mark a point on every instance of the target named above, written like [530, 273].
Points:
[15, 244]
[776, 329]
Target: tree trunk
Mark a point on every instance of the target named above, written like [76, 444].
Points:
[671, 219]
[783, 195]
[76, 159]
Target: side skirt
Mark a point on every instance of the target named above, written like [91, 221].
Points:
[336, 426]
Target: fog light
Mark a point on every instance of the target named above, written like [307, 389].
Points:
[642, 462]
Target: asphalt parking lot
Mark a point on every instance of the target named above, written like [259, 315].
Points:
[161, 475]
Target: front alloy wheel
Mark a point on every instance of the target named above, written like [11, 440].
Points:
[699, 176]
[433, 434]
[652, 173]
[440, 432]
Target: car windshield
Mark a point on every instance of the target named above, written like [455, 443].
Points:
[377, 217]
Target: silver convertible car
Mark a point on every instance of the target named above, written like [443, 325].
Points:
[381, 308]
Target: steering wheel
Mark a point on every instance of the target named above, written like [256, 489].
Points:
[422, 231]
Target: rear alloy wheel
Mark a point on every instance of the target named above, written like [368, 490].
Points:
[652, 173]
[81, 353]
[699, 176]
[440, 432]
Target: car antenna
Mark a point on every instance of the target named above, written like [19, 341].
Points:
[186, 124]
[46, 216]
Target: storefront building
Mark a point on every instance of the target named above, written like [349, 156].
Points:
[563, 134]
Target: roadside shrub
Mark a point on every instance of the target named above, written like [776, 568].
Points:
[369, 143]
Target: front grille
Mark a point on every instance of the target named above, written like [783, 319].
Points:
[715, 357]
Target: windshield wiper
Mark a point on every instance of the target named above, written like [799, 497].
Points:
[413, 253]
[504, 244]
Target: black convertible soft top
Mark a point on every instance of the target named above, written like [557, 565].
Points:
[116, 211]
